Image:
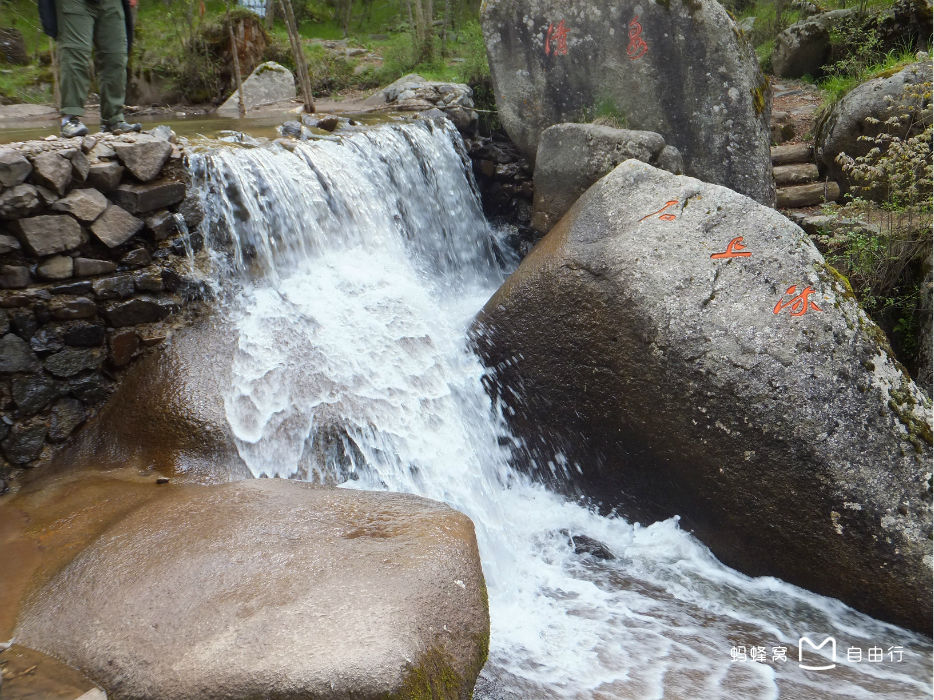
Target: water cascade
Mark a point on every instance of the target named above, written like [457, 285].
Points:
[351, 271]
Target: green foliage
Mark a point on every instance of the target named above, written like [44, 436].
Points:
[836, 85]
[474, 69]
[771, 18]
[607, 112]
[897, 169]
[884, 261]
[31, 84]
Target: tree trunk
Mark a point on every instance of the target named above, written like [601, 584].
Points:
[300, 64]
[241, 104]
[270, 13]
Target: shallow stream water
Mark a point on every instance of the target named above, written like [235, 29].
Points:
[352, 271]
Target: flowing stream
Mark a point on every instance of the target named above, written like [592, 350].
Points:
[352, 270]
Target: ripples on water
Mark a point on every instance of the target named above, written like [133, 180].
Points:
[353, 270]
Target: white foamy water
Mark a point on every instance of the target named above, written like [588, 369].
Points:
[356, 269]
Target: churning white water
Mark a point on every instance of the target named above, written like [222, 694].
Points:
[353, 271]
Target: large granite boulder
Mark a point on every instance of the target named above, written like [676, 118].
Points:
[271, 588]
[679, 68]
[268, 84]
[571, 157]
[804, 47]
[691, 353]
[875, 100]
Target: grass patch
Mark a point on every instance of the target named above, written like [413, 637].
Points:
[836, 85]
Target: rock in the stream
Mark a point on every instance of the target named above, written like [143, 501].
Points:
[571, 157]
[678, 68]
[270, 82]
[692, 352]
[271, 588]
[413, 92]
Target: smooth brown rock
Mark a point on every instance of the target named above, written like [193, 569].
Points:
[116, 226]
[50, 233]
[288, 591]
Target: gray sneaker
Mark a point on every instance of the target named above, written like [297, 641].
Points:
[121, 127]
[72, 126]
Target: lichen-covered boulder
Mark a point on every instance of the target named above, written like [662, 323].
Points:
[269, 83]
[270, 588]
[876, 100]
[690, 353]
[678, 68]
[571, 157]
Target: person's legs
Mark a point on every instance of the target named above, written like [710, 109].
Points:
[75, 32]
[110, 59]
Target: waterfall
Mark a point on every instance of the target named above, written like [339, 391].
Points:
[351, 271]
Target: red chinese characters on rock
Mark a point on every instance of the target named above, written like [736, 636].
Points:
[734, 249]
[556, 39]
[663, 217]
[637, 46]
[799, 304]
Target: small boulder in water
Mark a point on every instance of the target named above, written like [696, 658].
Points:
[271, 588]
[291, 128]
[584, 544]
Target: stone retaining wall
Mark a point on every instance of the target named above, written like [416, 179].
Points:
[95, 266]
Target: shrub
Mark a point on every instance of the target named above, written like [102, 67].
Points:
[885, 260]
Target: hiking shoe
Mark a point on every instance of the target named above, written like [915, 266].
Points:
[121, 128]
[72, 126]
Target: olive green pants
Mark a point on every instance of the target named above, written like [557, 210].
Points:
[84, 25]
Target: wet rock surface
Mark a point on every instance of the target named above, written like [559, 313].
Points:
[680, 69]
[383, 595]
[693, 354]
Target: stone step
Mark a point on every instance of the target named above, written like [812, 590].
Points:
[791, 153]
[795, 174]
[796, 196]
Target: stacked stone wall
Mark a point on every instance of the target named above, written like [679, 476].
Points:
[97, 237]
